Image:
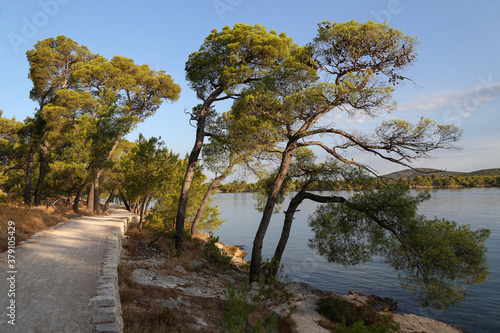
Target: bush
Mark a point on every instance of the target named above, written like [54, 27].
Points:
[339, 310]
[385, 326]
[254, 311]
[214, 254]
[238, 309]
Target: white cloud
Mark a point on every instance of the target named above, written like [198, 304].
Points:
[459, 101]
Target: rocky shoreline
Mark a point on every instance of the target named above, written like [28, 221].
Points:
[192, 283]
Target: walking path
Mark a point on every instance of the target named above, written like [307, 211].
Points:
[56, 273]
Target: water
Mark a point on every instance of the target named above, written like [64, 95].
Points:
[478, 207]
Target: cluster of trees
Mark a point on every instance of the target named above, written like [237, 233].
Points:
[75, 146]
[238, 186]
[452, 181]
[283, 96]
[418, 182]
[367, 182]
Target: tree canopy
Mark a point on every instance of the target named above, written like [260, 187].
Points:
[438, 257]
[227, 61]
[348, 68]
[90, 102]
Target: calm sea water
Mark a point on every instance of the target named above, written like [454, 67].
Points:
[479, 207]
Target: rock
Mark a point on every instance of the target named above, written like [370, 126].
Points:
[201, 322]
[172, 303]
[196, 263]
[148, 278]
[236, 261]
[169, 303]
[306, 317]
[154, 262]
[301, 288]
[179, 269]
[227, 278]
[377, 302]
[200, 291]
[411, 323]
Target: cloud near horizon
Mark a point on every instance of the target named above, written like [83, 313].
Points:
[461, 102]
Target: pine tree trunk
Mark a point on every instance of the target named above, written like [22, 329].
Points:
[146, 209]
[268, 212]
[97, 192]
[78, 196]
[43, 172]
[141, 213]
[285, 232]
[191, 168]
[287, 224]
[29, 174]
[111, 196]
[125, 202]
[206, 197]
[90, 198]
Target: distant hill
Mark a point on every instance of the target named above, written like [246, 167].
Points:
[409, 173]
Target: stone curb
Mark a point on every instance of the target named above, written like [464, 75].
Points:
[106, 306]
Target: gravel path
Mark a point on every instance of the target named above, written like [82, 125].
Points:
[56, 275]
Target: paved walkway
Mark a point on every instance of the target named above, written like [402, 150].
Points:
[56, 275]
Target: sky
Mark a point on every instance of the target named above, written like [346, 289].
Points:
[456, 75]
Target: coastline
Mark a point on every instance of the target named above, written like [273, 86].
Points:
[195, 281]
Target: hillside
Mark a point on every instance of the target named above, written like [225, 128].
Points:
[409, 173]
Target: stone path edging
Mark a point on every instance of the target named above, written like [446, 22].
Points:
[106, 306]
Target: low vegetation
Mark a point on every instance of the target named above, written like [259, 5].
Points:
[247, 308]
[350, 317]
[428, 178]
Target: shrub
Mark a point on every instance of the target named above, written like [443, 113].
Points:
[337, 309]
[385, 326]
[254, 311]
[214, 254]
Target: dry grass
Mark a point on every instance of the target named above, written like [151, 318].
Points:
[141, 311]
[29, 221]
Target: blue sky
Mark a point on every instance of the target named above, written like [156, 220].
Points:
[457, 72]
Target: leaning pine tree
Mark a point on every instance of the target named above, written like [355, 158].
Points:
[227, 62]
[356, 67]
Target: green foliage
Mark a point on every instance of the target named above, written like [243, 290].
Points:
[148, 168]
[272, 289]
[253, 311]
[238, 309]
[337, 310]
[86, 105]
[234, 56]
[13, 151]
[438, 257]
[359, 327]
[352, 318]
[214, 254]
[210, 219]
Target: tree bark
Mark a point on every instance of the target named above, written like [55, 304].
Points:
[287, 224]
[78, 196]
[97, 192]
[90, 198]
[191, 168]
[125, 202]
[268, 212]
[111, 196]
[43, 172]
[206, 197]
[29, 173]
[141, 212]
[146, 209]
